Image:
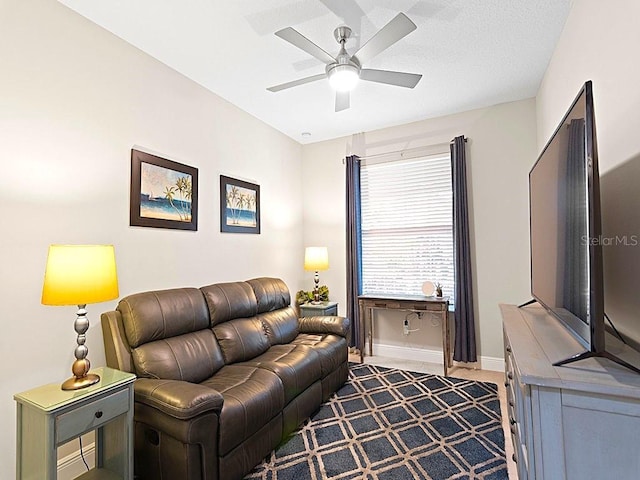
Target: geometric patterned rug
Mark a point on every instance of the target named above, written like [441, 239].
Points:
[389, 424]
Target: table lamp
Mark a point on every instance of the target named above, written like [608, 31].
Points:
[78, 275]
[316, 259]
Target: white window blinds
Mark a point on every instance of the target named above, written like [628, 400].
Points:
[407, 225]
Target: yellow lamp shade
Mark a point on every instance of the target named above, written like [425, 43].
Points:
[80, 274]
[316, 258]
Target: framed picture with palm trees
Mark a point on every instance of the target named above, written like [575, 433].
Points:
[164, 193]
[239, 206]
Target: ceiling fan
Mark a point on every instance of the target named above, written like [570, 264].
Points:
[345, 70]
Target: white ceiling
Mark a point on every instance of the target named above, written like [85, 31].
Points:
[471, 53]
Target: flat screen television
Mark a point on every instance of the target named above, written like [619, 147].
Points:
[565, 229]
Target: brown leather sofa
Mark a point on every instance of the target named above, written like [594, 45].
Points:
[225, 372]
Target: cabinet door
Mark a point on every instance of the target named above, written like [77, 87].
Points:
[600, 436]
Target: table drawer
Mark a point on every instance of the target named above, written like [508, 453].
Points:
[331, 310]
[307, 311]
[91, 416]
[384, 304]
[315, 311]
[429, 307]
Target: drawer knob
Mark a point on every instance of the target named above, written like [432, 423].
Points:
[99, 414]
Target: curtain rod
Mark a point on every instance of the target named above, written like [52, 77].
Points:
[405, 151]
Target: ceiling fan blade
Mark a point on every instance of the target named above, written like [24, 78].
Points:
[393, 31]
[400, 79]
[342, 101]
[295, 83]
[303, 43]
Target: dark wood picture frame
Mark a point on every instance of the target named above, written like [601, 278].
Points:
[175, 203]
[239, 206]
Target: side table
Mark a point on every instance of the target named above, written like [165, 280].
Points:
[48, 417]
[319, 309]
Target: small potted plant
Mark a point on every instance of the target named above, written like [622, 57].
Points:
[303, 297]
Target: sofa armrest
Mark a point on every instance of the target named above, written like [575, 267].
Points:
[176, 398]
[325, 324]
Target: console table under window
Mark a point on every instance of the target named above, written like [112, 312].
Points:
[405, 303]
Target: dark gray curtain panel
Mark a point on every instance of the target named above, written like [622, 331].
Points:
[354, 246]
[465, 337]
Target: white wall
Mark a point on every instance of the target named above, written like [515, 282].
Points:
[323, 187]
[600, 43]
[75, 99]
[501, 150]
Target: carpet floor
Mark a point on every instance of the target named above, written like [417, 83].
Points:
[389, 424]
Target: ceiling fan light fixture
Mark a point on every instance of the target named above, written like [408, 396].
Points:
[344, 70]
[343, 77]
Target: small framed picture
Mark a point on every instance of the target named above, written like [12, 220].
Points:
[164, 193]
[239, 206]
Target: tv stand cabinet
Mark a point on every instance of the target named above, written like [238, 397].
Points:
[570, 422]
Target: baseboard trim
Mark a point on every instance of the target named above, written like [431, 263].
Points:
[71, 466]
[408, 353]
[494, 364]
[434, 356]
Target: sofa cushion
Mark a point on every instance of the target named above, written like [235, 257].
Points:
[192, 357]
[162, 314]
[281, 325]
[227, 301]
[271, 293]
[241, 339]
[298, 366]
[252, 398]
[332, 349]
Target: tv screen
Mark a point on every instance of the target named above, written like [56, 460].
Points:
[566, 259]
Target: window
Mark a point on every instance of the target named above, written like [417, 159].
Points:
[407, 225]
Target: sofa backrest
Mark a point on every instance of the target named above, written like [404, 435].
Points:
[169, 334]
[227, 301]
[271, 293]
[189, 334]
[232, 308]
[280, 320]
[248, 317]
[281, 326]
